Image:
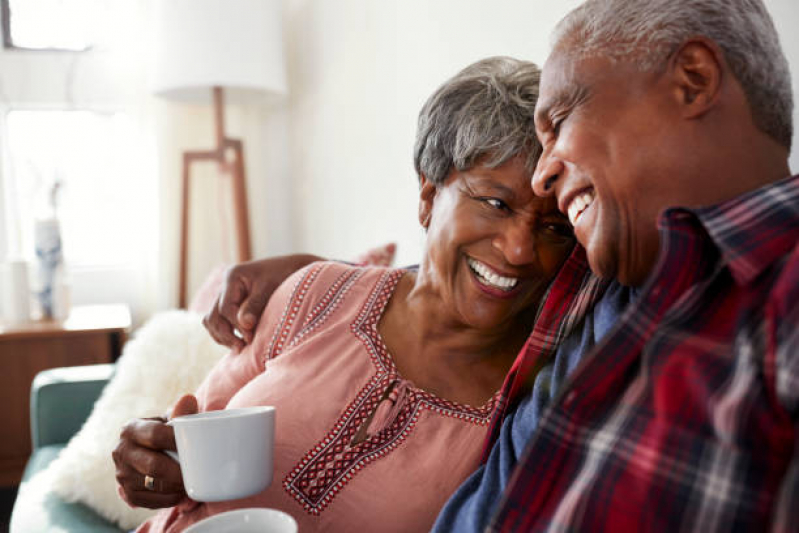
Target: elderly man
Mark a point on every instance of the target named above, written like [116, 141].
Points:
[666, 129]
[673, 404]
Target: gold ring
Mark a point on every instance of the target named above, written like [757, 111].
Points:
[149, 483]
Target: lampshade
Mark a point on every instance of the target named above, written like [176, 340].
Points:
[234, 44]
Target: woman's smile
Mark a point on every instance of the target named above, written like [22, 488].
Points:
[491, 282]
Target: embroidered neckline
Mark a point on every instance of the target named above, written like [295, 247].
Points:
[327, 467]
[366, 328]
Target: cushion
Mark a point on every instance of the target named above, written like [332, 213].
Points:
[168, 357]
[378, 256]
[38, 509]
[206, 295]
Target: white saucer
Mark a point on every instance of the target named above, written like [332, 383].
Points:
[253, 520]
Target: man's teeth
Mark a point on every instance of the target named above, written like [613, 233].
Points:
[578, 205]
[489, 277]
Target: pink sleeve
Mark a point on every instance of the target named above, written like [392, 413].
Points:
[234, 371]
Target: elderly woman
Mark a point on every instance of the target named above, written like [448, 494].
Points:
[395, 371]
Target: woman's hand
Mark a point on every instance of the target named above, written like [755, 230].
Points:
[148, 477]
[245, 292]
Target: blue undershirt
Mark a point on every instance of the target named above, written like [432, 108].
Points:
[474, 503]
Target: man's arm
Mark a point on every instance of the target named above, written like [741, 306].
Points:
[786, 381]
[246, 289]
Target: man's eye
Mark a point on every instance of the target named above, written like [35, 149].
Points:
[496, 203]
[556, 123]
[559, 229]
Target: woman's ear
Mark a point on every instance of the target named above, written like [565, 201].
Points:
[427, 194]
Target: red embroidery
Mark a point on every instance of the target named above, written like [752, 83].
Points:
[328, 304]
[280, 337]
[321, 474]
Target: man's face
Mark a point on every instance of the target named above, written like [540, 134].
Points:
[607, 141]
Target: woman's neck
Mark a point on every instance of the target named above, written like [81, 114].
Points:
[442, 354]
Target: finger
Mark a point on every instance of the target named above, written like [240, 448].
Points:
[186, 405]
[233, 294]
[132, 481]
[221, 329]
[250, 311]
[156, 464]
[153, 500]
[152, 433]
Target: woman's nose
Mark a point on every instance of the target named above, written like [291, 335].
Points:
[517, 243]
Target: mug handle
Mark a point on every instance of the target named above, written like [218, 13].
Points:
[173, 455]
[170, 453]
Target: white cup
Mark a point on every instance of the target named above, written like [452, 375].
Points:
[15, 292]
[225, 455]
[255, 520]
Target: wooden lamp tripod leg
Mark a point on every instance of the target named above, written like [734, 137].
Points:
[240, 209]
[239, 184]
[184, 232]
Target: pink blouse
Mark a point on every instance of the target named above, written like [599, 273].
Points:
[318, 357]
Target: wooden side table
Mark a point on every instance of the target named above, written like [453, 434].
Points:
[91, 334]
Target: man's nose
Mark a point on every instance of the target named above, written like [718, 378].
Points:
[546, 174]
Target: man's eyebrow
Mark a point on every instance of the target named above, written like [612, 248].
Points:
[566, 99]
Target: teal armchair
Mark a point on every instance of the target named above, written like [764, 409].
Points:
[61, 401]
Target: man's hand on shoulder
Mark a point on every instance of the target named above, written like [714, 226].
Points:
[246, 289]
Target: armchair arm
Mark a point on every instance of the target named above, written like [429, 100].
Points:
[62, 399]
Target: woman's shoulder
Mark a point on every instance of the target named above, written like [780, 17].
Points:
[324, 292]
[327, 280]
[325, 273]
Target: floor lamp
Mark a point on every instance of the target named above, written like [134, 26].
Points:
[225, 51]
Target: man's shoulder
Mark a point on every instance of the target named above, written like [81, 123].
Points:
[784, 292]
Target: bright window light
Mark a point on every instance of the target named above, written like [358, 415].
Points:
[56, 24]
[105, 203]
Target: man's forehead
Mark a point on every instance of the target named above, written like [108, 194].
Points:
[558, 76]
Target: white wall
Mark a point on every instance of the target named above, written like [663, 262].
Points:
[330, 167]
[360, 71]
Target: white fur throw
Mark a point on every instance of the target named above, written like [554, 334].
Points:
[168, 357]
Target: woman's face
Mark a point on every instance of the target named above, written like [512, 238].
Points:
[492, 245]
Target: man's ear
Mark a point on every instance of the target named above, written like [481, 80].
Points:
[698, 66]
[427, 194]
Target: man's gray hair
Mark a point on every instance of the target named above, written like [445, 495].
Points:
[647, 32]
[483, 115]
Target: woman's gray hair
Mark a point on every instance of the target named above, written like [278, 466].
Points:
[647, 32]
[483, 115]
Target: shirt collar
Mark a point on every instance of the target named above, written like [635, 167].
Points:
[753, 229]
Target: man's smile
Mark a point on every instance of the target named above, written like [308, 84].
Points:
[577, 205]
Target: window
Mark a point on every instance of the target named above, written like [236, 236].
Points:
[52, 24]
[105, 202]
[81, 118]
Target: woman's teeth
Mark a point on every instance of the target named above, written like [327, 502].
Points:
[578, 205]
[491, 278]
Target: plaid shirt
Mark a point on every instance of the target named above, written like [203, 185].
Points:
[685, 416]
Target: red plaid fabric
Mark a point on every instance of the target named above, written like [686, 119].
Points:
[573, 293]
[685, 417]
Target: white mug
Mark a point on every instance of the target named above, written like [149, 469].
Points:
[225, 455]
[254, 520]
